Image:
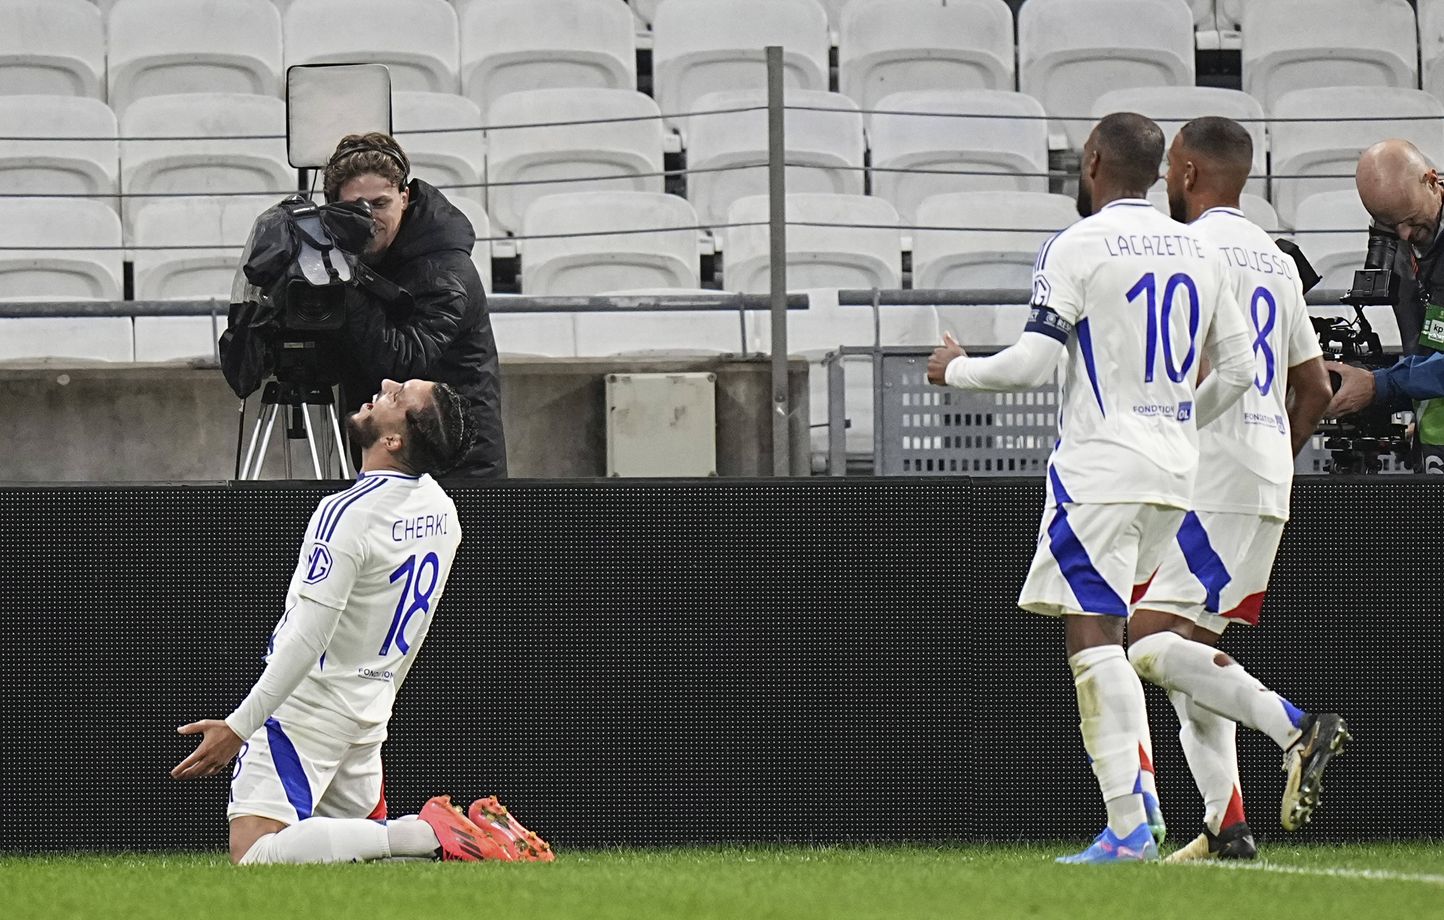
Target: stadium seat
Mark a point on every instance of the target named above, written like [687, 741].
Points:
[52, 47]
[610, 261]
[1172, 106]
[1005, 153]
[705, 45]
[444, 158]
[827, 147]
[1336, 253]
[996, 259]
[481, 226]
[46, 167]
[213, 160]
[1254, 207]
[630, 150]
[218, 228]
[232, 47]
[418, 42]
[59, 275]
[1300, 44]
[1307, 148]
[892, 46]
[1070, 52]
[1431, 46]
[860, 250]
[512, 45]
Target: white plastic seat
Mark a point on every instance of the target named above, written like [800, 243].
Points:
[628, 150]
[61, 274]
[417, 41]
[217, 228]
[481, 227]
[448, 159]
[231, 47]
[43, 167]
[212, 160]
[52, 47]
[1335, 254]
[1431, 46]
[891, 46]
[702, 46]
[665, 257]
[1003, 151]
[1173, 106]
[1300, 44]
[1070, 52]
[824, 149]
[1305, 148]
[995, 259]
[862, 249]
[509, 46]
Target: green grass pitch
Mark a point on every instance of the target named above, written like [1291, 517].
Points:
[757, 883]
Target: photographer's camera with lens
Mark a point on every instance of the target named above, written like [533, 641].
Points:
[1357, 442]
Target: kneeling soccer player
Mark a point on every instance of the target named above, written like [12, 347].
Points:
[306, 785]
[1217, 570]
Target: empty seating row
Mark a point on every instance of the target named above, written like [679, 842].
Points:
[1069, 52]
[966, 141]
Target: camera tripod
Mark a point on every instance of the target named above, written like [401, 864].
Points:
[295, 398]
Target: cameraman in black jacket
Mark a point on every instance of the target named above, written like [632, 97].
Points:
[418, 309]
[1405, 195]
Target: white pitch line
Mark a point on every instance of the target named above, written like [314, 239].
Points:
[1377, 875]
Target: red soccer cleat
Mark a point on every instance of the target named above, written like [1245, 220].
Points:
[494, 820]
[461, 839]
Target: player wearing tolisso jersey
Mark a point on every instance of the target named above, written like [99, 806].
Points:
[1137, 300]
[1217, 570]
[306, 742]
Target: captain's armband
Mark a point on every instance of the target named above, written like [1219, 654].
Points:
[1047, 321]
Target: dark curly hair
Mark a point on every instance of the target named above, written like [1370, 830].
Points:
[439, 436]
[360, 154]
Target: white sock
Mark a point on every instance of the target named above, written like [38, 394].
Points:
[1216, 682]
[1112, 719]
[321, 840]
[410, 836]
[1210, 747]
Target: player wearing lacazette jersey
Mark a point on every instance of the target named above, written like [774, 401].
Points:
[1138, 299]
[370, 577]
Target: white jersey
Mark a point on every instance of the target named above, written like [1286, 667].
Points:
[1136, 296]
[380, 552]
[1246, 459]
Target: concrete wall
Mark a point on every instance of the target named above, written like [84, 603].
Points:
[132, 423]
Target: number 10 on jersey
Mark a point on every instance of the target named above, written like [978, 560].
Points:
[1160, 323]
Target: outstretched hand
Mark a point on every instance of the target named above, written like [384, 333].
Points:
[219, 746]
[942, 356]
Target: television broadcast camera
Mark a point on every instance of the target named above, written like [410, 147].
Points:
[1357, 442]
[287, 306]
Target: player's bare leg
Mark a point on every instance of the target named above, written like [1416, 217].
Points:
[1112, 719]
[246, 830]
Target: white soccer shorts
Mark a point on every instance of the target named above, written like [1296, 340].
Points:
[1217, 569]
[1095, 559]
[290, 773]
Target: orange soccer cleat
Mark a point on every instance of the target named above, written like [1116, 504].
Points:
[460, 838]
[495, 820]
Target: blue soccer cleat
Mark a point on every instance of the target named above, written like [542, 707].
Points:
[1108, 848]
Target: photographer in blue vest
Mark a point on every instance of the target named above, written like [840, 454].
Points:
[1403, 193]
